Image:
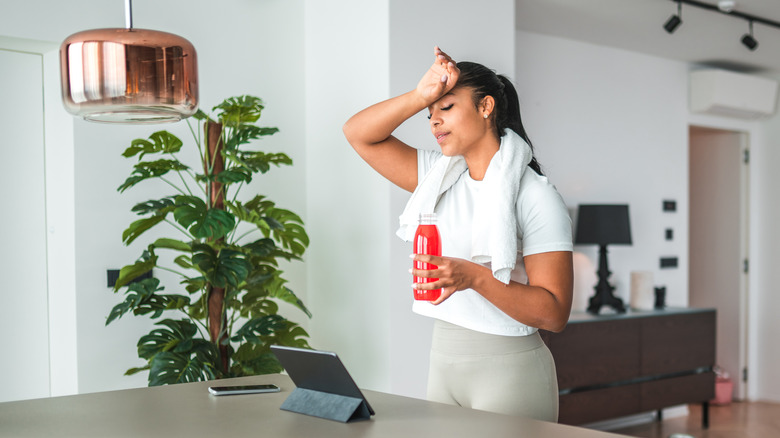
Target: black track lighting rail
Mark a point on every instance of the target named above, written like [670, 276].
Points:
[734, 13]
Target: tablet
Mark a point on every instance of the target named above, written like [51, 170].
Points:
[318, 371]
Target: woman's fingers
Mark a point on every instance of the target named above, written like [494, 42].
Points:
[427, 258]
[452, 274]
[445, 293]
[440, 78]
[441, 56]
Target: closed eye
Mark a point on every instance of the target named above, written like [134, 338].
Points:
[444, 108]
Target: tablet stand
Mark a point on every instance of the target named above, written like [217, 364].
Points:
[325, 405]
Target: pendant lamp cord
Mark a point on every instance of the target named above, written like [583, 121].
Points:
[129, 14]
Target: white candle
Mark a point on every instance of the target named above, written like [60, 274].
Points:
[642, 293]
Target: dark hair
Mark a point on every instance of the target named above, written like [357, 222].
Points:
[485, 82]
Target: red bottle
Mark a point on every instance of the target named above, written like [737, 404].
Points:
[427, 240]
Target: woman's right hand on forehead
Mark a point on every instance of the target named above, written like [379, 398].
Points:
[439, 79]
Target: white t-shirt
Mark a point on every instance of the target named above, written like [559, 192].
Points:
[543, 226]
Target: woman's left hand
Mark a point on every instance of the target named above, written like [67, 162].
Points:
[453, 275]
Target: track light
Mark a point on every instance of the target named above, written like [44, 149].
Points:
[726, 7]
[672, 23]
[748, 40]
[675, 20]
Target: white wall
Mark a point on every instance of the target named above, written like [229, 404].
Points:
[346, 67]
[610, 126]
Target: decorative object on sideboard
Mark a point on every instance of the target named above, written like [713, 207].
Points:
[603, 225]
[129, 75]
[660, 297]
[642, 294]
[585, 276]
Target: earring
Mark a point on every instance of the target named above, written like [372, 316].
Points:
[485, 116]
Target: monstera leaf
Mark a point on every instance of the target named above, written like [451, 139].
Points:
[142, 298]
[223, 268]
[203, 222]
[175, 356]
[158, 142]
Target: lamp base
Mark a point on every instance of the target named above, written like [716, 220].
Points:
[604, 297]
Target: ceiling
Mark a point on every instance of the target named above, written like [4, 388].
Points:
[704, 37]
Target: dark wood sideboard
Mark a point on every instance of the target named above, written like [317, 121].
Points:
[641, 361]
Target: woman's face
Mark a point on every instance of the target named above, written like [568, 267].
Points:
[457, 124]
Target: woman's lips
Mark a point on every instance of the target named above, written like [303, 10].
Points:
[441, 136]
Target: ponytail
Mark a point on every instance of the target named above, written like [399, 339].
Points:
[485, 82]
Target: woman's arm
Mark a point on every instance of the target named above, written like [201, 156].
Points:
[545, 302]
[370, 131]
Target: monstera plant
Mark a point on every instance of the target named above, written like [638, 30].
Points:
[223, 315]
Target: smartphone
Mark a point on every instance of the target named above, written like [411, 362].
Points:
[242, 389]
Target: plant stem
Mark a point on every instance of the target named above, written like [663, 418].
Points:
[238, 189]
[178, 227]
[197, 138]
[174, 186]
[192, 175]
[244, 235]
[216, 197]
[181, 177]
[171, 270]
[198, 323]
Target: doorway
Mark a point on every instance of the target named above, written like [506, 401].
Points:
[24, 315]
[38, 314]
[718, 246]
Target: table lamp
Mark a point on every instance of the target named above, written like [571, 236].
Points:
[603, 225]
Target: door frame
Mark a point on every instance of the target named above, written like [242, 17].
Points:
[740, 381]
[59, 155]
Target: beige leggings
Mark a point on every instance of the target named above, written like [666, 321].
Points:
[506, 374]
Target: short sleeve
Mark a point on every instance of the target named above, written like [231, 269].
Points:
[544, 224]
[425, 161]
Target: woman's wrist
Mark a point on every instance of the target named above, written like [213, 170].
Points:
[417, 101]
[481, 278]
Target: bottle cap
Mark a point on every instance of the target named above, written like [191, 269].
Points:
[427, 218]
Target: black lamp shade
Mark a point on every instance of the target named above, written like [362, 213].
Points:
[603, 225]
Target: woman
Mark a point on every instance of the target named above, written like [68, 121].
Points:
[506, 268]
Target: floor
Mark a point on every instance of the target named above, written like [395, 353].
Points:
[737, 420]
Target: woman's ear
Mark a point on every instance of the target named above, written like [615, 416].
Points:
[486, 106]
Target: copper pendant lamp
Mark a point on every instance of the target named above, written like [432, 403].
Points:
[129, 75]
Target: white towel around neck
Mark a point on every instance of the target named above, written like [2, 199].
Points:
[494, 221]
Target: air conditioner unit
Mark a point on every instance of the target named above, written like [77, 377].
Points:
[725, 93]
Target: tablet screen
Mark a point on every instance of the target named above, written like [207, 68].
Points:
[319, 371]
